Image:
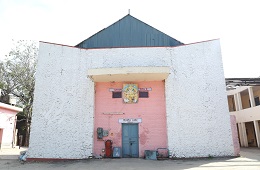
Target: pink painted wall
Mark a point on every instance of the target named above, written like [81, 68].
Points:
[235, 135]
[1, 135]
[152, 110]
[8, 111]
[7, 125]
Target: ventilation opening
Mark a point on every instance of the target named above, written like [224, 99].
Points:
[143, 94]
[116, 94]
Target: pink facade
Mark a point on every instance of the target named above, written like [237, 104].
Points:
[7, 125]
[152, 111]
[8, 111]
[235, 135]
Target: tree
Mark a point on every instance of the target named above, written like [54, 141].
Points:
[17, 73]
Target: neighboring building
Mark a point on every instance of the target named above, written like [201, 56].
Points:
[7, 125]
[244, 105]
[159, 93]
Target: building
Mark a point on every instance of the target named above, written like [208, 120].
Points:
[136, 86]
[8, 125]
[244, 105]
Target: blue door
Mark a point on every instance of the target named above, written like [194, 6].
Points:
[130, 141]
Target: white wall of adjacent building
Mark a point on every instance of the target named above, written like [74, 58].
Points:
[244, 105]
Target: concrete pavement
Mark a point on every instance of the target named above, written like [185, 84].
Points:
[249, 160]
[11, 153]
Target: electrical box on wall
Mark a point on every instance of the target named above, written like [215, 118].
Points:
[99, 133]
[105, 132]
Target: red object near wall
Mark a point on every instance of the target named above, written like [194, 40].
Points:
[108, 148]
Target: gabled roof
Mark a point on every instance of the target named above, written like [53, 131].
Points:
[129, 32]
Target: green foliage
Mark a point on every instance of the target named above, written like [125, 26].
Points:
[17, 73]
[210, 156]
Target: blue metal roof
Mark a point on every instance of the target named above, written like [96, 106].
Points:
[128, 32]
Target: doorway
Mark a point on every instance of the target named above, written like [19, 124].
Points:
[250, 132]
[130, 140]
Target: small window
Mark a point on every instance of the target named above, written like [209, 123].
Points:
[116, 94]
[143, 94]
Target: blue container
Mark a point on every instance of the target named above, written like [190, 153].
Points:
[116, 152]
[150, 154]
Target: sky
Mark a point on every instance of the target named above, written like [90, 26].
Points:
[68, 22]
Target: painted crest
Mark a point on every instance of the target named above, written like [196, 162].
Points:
[130, 93]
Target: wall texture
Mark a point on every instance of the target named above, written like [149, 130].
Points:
[198, 121]
[196, 102]
[62, 121]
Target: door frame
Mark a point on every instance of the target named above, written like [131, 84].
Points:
[137, 138]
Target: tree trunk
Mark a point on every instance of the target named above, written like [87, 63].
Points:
[27, 133]
[27, 126]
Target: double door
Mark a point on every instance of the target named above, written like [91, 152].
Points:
[130, 140]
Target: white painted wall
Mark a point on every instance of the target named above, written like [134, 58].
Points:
[197, 110]
[237, 90]
[62, 121]
[247, 115]
[196, 102]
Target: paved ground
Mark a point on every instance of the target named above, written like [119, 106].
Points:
[249, 160]
[11, 153]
